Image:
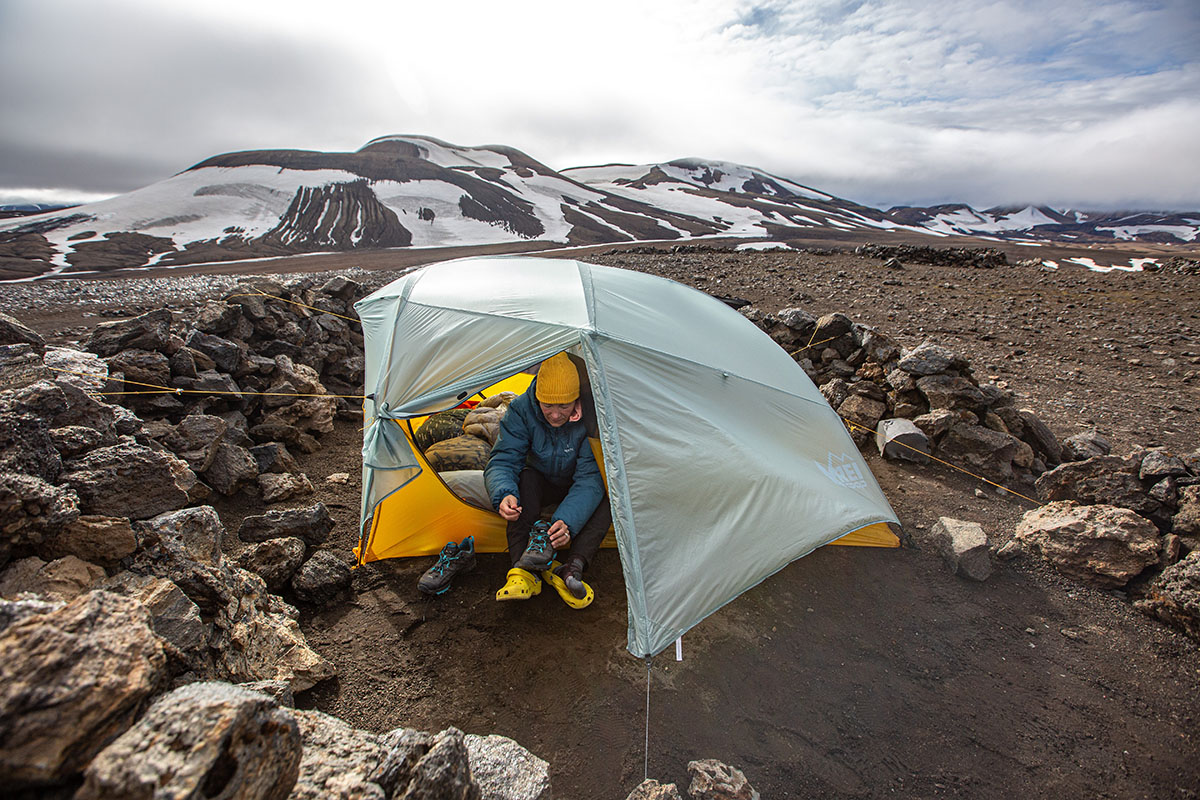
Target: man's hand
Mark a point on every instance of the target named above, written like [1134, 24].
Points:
[560, 534]
[510, 508]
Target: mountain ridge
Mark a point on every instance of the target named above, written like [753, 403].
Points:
[419, 191]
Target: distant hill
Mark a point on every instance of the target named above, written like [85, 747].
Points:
[416, 191]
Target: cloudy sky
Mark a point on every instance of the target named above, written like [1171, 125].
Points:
[1080, 103]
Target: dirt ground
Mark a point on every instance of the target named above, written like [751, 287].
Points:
[853, 672]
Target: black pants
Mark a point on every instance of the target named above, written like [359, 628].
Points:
[536, 494]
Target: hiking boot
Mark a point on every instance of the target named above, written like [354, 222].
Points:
[454, 560]
[572, 576]
[538, 553]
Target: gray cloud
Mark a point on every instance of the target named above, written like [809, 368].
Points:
[880, 101]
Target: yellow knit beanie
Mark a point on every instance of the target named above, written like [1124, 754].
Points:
[557, 381]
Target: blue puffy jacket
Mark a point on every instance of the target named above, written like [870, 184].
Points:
[562, 454]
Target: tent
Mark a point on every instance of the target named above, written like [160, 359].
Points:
[723, 461]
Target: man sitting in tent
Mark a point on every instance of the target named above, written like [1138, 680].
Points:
[543, 457]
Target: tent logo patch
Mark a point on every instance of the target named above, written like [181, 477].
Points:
[844, 471]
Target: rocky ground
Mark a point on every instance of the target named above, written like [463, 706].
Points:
[856, 673]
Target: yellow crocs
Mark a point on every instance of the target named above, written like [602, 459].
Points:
[560, 586]
[521, 585]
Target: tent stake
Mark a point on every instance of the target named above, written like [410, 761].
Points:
[646, 759]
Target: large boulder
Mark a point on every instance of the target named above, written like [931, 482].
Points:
[310, 523]
[322, 579]
[964, 547]
[71, 681]
[101, 540]
[982, 450]
[30, 510]
[231, 468]
[129, 480]
[1186, 522]
[150, 331]
[195, 439]
[1174, 596]
[1101, 545]
[274, 560]
[201, 740]
[13, 331]
[713, 780]
[505, 769]
[1111, 480]
[341, 761]
[173, 615]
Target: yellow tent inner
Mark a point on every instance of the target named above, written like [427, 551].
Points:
[419, 518]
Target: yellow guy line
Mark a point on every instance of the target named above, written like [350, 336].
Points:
[812, 344]
[259, 293]
[158, 389]
[853, 424]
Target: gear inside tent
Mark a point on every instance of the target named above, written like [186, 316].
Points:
[723, 462]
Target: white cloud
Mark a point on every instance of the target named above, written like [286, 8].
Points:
[880, 101]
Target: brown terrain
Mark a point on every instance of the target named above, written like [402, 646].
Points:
[853, 672]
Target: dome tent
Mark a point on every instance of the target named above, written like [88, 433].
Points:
[723, 461]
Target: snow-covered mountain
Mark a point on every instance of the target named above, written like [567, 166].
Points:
[415, 191]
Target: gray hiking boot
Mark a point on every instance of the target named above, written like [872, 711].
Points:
[455, 559]
[538, 553]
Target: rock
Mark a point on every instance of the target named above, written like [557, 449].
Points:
[85, 371]
[340, 761]
[174, 617]
[950, 391]
[274, 560]
[73, 441]
[232, 467]
[224, 353]
[1088, 444]
[937, 422]
[274, 457]
[14, 611]
[651, 789]
[20, 366]
[901, 439]
[129, 480]
[83, 672]
[1158, 464]
[1010, 550]
[276, 488]
[13, 331]
[712, 780]
[186, 550]
[31, 509]
[101, 540]
[864, 412]
[257, 637]
[150, 331]
[21, 577]
[311, 523]
[1174, 596]
[835, 392]
[195, 439]
[144, 370]
[322, 579]
[1186, 522]
[201, 740]
[930, 359]
[1039, 436]
[1101, 545]
[25, 442]
[280, 690]
[68, 577]
[505, 769]
[1100, 479]
[978, 449]
[964, 547]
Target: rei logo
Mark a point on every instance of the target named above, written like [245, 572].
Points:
[844, 471]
